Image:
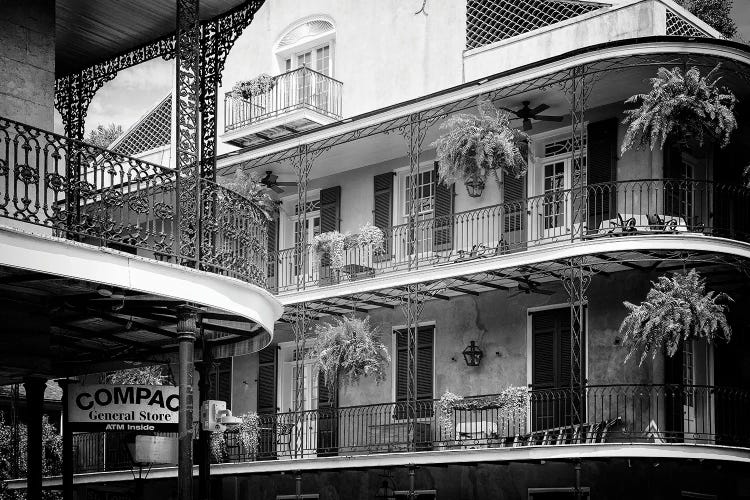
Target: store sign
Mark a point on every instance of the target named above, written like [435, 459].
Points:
[123, 407]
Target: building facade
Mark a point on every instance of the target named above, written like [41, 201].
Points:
[515, 283]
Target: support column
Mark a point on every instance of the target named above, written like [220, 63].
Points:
[186, 95]
[186, 333]
[67, 443]
[34, 387]
[204, 459]
[576, 281]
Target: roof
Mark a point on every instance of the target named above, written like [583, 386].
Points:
[151, 131]
[92, 31]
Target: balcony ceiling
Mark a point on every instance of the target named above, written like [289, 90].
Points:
[91, 31]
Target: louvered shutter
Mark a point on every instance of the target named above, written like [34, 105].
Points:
[443, 227]
[326, 397]
[601, 171]
[266, 402]
[383, 210]
[401, 365]
[424, 360]
[543, 357]
[224, 381]
[273, 245]
[425, 343]
[514, 217]
[330, 209]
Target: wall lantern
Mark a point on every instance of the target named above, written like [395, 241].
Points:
[385, 492]
[475, 185]
[472, 354]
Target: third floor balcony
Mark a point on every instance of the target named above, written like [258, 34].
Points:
[300, 100]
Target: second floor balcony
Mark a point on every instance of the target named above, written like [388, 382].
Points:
[617, 211]
[300, 100]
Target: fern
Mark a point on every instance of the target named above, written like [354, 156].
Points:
[676, 309]
[684, 106]
[475, 145]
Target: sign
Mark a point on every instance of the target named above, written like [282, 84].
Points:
[123, 407]
[155, 450]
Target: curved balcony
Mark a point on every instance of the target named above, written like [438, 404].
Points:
[81, 192]
[626, 209]
[646, 414]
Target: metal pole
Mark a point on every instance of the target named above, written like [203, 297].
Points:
[204, 459]
[298, 485]
[34, 403]
[67, 442]
[578, 480]
[412, 494]
[186, 334]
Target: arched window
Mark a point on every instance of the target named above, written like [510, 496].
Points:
[310, 44]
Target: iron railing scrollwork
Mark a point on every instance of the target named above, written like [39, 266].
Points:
[124, 203]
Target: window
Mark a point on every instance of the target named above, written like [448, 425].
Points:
[424, 361]
[220, 381]
[425, 193]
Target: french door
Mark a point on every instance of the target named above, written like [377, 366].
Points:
[551, 209]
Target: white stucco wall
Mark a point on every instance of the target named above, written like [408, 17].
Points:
[383, 52]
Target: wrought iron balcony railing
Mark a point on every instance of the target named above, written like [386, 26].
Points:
[645, 207]
[302, 88]
[128, 204]
[657, 414]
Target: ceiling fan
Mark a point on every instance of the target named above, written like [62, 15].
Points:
[527, 114]
[270, 180]
[529, 287]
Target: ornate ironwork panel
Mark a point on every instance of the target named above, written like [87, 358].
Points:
[678, 26]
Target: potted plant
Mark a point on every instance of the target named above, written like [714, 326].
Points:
[348, 349]
[247, 435]
[474, 146]
[251, 188]
[685, 107]
[329, 250]
[370, 241]
[676, 309]
[247, 89]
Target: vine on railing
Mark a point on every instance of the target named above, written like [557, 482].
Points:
[96, 196]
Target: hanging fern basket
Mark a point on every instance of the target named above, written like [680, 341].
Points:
[677, 308]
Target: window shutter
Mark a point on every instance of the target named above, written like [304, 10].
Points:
[267, 380]
[424, 359]
[383, 210]
[220, 381]
[443, 237]
[543, 356]
[514, 193]
[425, 340]
[330, 209]
[272, 247]
[401, 361]
[326, 398]
[601, 167]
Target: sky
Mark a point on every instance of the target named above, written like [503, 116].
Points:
[136, 90]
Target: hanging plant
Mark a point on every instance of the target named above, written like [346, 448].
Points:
[261, 84]
[218, 446]
[512, 402]
[685, 107]
[349, 349]
[251, 188]
[676, 309]
[474, 146]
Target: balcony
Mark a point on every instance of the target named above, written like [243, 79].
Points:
[654, 414]
[125, 204]
[300, 100]
[628, 209]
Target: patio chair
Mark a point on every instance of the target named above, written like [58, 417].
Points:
[626, 226]
[284, 438]
[657, 224]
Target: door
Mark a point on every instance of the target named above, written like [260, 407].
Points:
[304, 426]
[551, 209]
[697, 404]
[312, 229]
[425, 209]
